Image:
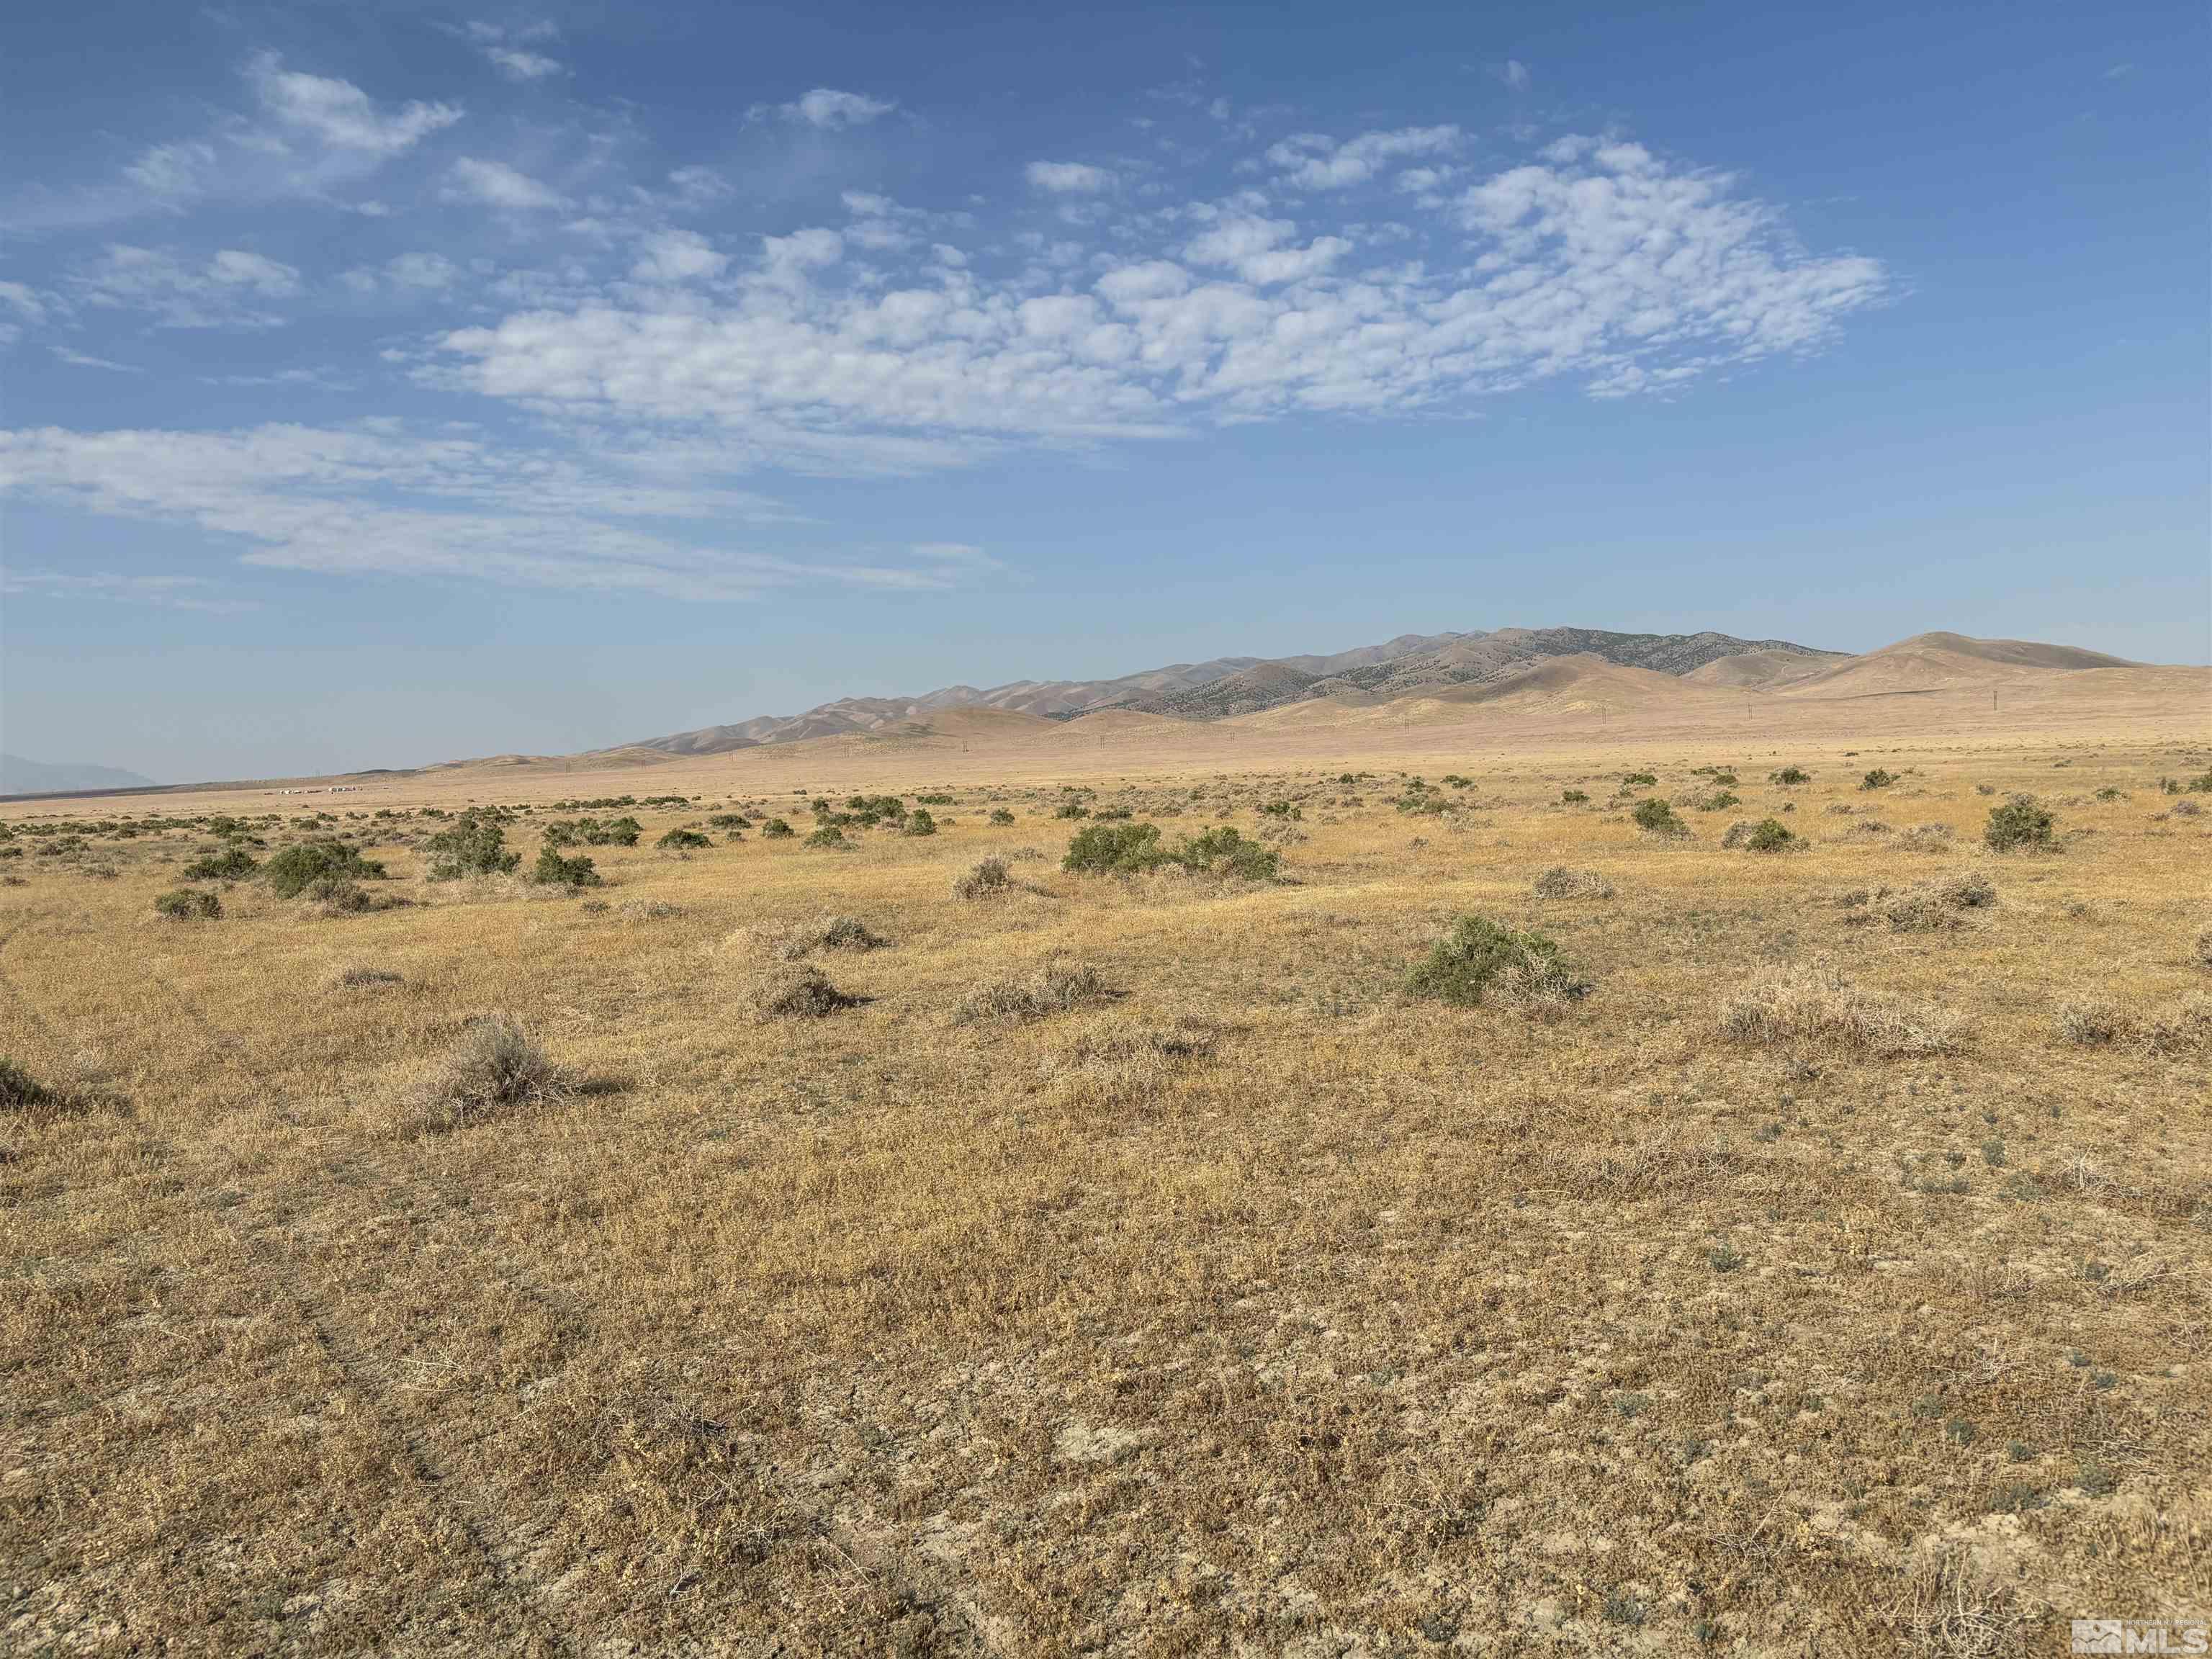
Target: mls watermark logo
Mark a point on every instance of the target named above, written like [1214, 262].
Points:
[2169, 1636]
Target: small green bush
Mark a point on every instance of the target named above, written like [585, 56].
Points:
[474, 845]
[1790, 776]
[1573, 797]
[291, 872]
[1222, 852]
[1770, 835]
[19, 1092]
[871, 810]
[846, 933]
[1718, 802]
[1639, 780]
[1477, 954]
[1118, 849]
[231, 863]
[1000, 817]
[776, 829]
[1656, 817]
[594, 832]
[189, 905]
[2020, 823]
[341, 897]
[1877, 779]
[828, 836]
[553, 871]
[1072, 809]
[919, 823]
[1123, 849]
[682, 841]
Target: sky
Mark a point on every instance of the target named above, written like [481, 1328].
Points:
[382, 385]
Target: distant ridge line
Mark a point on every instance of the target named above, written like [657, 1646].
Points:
[1226, 686]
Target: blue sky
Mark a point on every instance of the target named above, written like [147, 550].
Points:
[390, 383]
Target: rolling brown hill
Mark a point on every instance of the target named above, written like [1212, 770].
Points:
[1225, 687]
[1940, 661]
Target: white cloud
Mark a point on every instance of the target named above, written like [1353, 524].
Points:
[174, 170]
[1314, 160]
[178, 293]
[234, 268]
[517, 64]
[831, 109]
[1293, 265]
[417, 273]
[1069, 178]
[422, 270]
[495, 184]
[340, 113]
[893, 341]
[85, 360]
[505, 48]
[1235, 239]
[697, 186]
[305, 135]
[678, 256]
[371, 499]
[1514, 73]
[1601, 263]
[1154, 279]
[27, 309]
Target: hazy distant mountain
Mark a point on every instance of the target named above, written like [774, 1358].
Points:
[19, 776]
[1243, 685]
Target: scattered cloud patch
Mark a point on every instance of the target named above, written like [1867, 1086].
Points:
[663, 351]
[698, 187]
[418, 273]
[1069, 178]
[339, 113]
[832, 110]
[377, 499]
[174, 172]
[422, 270]
[678, 256]
[519, 64]
[474, 180]
[1314, 160]
[221, 292]
[20, 307]
[85, 359]
[1599, 262]
[506, 48]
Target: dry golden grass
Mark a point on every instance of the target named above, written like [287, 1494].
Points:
[1812, 1285]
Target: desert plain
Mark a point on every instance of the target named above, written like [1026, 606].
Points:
[900, 1242]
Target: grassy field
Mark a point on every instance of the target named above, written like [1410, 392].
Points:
[1811, 1257]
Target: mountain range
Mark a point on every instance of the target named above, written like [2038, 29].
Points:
[1228, 686]
[19, 776]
